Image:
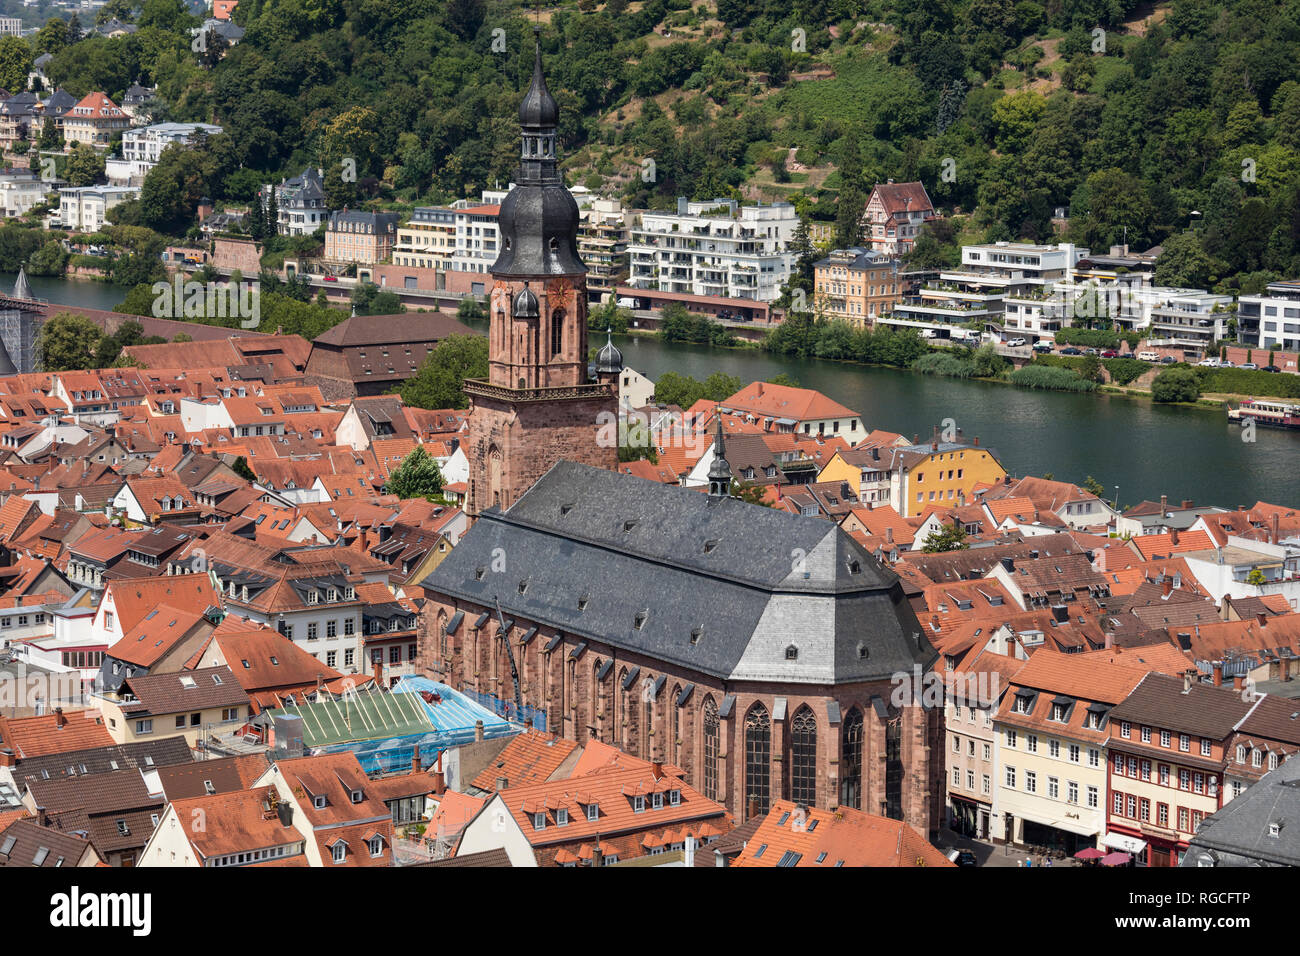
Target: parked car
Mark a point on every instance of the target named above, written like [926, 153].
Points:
[963, 857]
[929, 334]
[1042, 346]
[1071, 351]
[1251, 366]
[1168, 360]
[1148, 356]
[1016, 343]
[1208, 363]
[1089, 351]
[1271, 368]
[1110, 353]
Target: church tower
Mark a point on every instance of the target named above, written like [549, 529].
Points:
[536, 405]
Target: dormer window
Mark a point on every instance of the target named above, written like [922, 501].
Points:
[319, 801]
[357, 796]
[338, 852]
[539, 821]
[638, 804]
[657, 801]
[674, 798]
[639, 621]
[376, 846]
[593, 812]
[792, 653]
[561, 817]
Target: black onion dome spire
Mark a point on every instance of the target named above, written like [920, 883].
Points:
[539, 218]
[609, 360]
[539, 107]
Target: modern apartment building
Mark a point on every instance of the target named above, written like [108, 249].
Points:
[146, 144]
[856, 285]
[427, 240]
[714, 248]
[1271, 320]
[82, 208]
[602, 243]
[478, 241]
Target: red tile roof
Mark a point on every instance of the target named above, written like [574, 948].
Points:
[39, 736]
[811, 838]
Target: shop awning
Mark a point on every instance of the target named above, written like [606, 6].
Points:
[1121, 841]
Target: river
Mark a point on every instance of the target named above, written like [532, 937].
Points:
[1146, 449]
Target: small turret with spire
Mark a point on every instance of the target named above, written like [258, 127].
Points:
[720, 470]
[21, 289]
[609, 360]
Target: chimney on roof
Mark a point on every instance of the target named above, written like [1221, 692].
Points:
[42, 817]
[379, 673]
[415, 759]
[759, 391]
[1238, 682]
[284, 810]
[657, 770]
[1173, 536]
[1218, 673]
[1164, 505]
[502, 784]
[1276, 537]
[478, 730]
[1262, 618]
[1110, 640]
[889, 535]
[7, 758]
[916, 439]
[1167, 587]
[1187, 504]
[1187, 682]
[1284, 668]
[62, 721]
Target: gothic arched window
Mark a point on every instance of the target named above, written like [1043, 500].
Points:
[851, 761]
[803, 758]
[758, 761]
[711, 740]
[557, 331]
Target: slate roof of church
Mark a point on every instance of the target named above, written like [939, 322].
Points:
[753, 581]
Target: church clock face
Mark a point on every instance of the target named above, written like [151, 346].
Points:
[559, 292]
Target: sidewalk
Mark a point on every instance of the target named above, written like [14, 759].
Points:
[989, 854]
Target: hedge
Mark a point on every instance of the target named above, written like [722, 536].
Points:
[1048, 377]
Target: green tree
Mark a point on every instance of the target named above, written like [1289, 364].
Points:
[1093, 486]
[49, 260]
[1176, 384]
[66, 342]
[949, 537]
[369, 299]
[15, 62]
[85, 166]
[1185, 264]
[52, 37]
[49, 138]
[418, 476]
[749, 493]
[1256, 578]
[438, 383]
[240, 467]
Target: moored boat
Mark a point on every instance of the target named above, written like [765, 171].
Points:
[1264, 411]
